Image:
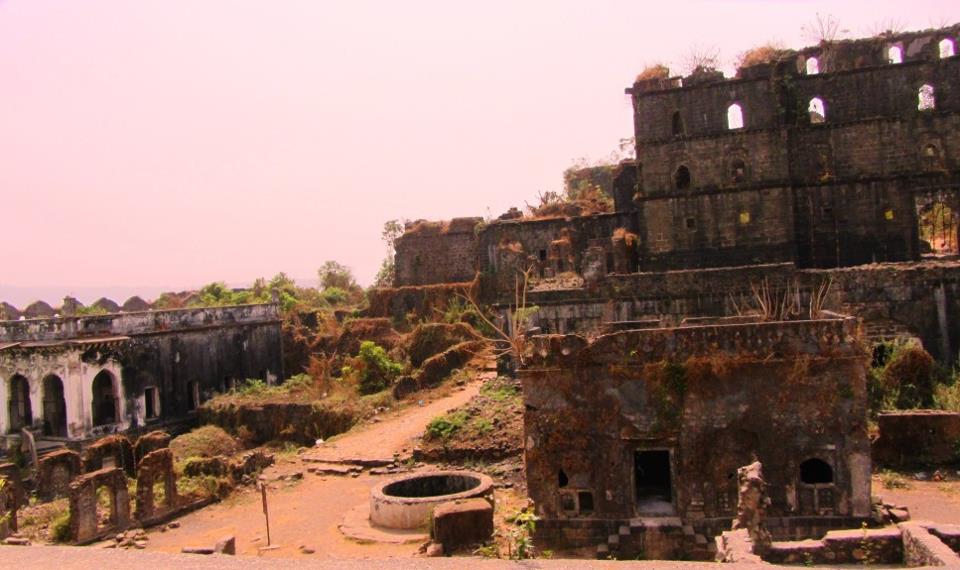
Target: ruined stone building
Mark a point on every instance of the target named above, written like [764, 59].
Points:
[832, 172]
[80, 377]
[811, 168]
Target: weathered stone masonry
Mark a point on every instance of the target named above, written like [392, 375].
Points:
[83, 377]
[655, 423]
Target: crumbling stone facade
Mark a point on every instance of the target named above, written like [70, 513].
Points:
[82, 377]
[653, 424]
[55, 472]
[84, 523]
[738, 180]
[114, 451]
[156, 466]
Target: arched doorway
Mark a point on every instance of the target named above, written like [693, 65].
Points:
[54, 407]
[21, 414]
[106, 401]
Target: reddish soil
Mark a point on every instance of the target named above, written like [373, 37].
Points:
[307, 512]
[937, 501]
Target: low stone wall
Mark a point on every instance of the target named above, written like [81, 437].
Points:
[863, 546]
[301, 423]
[56, 471]
[917, 437]
[922, 548]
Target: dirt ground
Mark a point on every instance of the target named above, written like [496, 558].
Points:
[306, 512]
[937, 501]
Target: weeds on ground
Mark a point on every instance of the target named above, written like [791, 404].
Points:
[893, 480]
[443, 427]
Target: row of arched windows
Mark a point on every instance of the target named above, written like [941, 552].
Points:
[947, 48]
[926, 101]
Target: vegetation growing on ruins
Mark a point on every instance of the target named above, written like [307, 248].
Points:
[375, 368]
[904, 376]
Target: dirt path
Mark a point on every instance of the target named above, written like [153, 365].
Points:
[307, 512]
[378, 443]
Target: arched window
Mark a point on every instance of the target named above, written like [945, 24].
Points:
[813, 66]
[894, 54]
[734, 117]
[947, 48]
[926, 100]
[817, 110]
[683, 177]
[677, 124]
[816, 472]
[738, 170]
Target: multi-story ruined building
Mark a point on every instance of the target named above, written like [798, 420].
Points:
[808, 168]
[832, 172]
[79, 377]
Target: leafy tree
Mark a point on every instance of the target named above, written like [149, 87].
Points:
[392, 230]
[377, 369]
[334, 274]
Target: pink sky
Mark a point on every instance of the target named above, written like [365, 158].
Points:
[176, 142]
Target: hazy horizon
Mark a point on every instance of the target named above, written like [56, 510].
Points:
[158, 145]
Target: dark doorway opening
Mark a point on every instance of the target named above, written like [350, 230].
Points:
[105, 399]
[653, 480]
[21, 414]
[54, 407]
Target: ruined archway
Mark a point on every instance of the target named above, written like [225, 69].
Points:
[54, 407]
[18, 403]
[106, 401]
[938, 223]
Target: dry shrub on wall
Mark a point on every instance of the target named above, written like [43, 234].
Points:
[767, 53]
[654, 71]
[908, 379]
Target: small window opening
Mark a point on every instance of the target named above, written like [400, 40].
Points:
[677, 124]
[151, 398]
[813, 66]
[734, 117]
[585, 498]
[653, 482]
[947, 48]
[744, 218]
[818, 113]
[683, 178]
[543, 255]
[562, 480]
[816, 471]
[926, 100]
[894, 54]
[560, 266]
[567, 503]
[738, 170]
[193, 396]
[691, 223]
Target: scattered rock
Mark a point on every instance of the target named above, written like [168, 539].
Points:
[227, 545]
[196, 550]
[16, 541]
[434, 550]
[174, 524]
[306, 549]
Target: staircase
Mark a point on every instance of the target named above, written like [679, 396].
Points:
[656, 538]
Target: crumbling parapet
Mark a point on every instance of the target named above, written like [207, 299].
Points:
[155, 466]
[115, 447]
[55, 472]
[84, 525]
[923, 548]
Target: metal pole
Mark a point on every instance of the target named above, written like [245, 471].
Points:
[266, 513]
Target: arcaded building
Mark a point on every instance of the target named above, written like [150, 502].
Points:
[73, 378]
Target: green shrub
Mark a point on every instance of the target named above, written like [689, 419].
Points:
[378, 370]
[60, 527]
[904, 376]
[444, 426]
[335, 295]
[206, 441]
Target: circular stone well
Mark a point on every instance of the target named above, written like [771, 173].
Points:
[406, 502]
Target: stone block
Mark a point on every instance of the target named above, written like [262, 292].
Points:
[462, 524]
